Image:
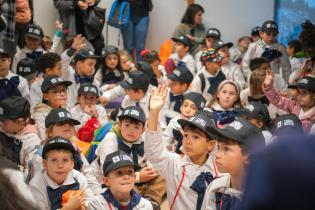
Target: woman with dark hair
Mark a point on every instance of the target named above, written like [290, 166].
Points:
[191, 26]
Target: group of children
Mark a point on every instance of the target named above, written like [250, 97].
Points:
[182, 133]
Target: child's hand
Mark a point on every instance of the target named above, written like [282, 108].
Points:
[88, 109]
[158, 98]
[75, 201]
[103, 100]
[147, 174]
[94, 110]
[59, 25]
[90, 2]
[269, 78]
[78, 42]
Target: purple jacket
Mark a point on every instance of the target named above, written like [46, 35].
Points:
[288, 105]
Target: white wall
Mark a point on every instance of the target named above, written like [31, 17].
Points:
[233, 18]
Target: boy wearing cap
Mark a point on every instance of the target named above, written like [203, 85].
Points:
[268, 41]
[55, 95]
[78, 66]
[18, 137]
[119, 178]
[237, 53]
[232, 158]
[179, 82]
[26, 69]
[59, 186]
[186, 176]
[212, 36]
[126, 135]
[182, 57]
[255, 33]
[257, 114]
[210, 76]
[192, 103]
[87, 107]
[136, 87]
[32, 49]
[11, 83]
[231, 70]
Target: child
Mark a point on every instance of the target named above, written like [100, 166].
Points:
[127, 136]
[87, 108]
[267, 42]
[304, 107]
[136, 87]
[119, 177]
[48, 64]
[182, 55]
[255, 33]
[55, 95]
[237, 53]
[51, 45]
[226, 101]
[182, 173]
[192, 103]
[18, 136]
[232, 159]
[83, 69]
[231, 70]
[59, 186]
[212, 36]
[179, 82]
[152, 58]
[287, 125]
[110, 73]
[33, 39]
[26, 69]
[258, 114]
[125, 61]
[11, 84]
[207, 81]
[293, 49]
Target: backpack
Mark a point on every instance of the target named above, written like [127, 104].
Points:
[119, 14]
[99, 135]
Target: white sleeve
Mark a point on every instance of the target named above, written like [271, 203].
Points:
[196, 85]
[24, 88]
[35, 95]
[55, 43]
[246, 60]
[114, 93]
[238, 76]
[190, 64]
[107, 146]
[168, 137]
[15, 61]
[65, 65]
[285, 64]
[102, 115]
[29, 143]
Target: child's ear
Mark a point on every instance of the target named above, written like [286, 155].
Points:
[44, 162]
[211, 145]
[260, 124]
[45, 96]
[260, 33]
[9, 60]
[106, 180]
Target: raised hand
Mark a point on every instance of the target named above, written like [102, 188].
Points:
[158, 98]
[269, 78]
[59, 25]
[78, 42]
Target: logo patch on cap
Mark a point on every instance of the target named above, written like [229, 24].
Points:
[129, 80]
[177, 72]
[58, 141]
[199, 121]
[181, 37]
[135, 112]
[54, 80]
[36, 31]
[303, 81]
[214, 32]
[91, 52]
[120, 158]
[202, 105]
[250, 107]
[236, 125]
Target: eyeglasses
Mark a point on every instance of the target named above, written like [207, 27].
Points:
[58, 91]
[67, 122]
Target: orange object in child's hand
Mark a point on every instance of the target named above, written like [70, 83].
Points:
[66, 195]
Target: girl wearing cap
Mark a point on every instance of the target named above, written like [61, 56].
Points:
[152, 58]
[304, 107]
[110, 73]
[226, 100]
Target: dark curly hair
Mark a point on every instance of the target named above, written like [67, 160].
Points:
[307, 38]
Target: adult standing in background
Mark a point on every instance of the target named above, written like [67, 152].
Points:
[191, 26]
[135, 34]
[71, 14]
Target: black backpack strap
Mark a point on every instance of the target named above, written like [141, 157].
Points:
[203, 81]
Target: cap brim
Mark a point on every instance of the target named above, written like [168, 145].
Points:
[212, 36]
[124, 85]
[183, 123]
[34, 36]
[172, 77]
[133, 117]
[293, 86]
[118, 165]
[66, 83]
[49, 147]
[287, 131]
[181, 41]
[228, 135]
[270, 30]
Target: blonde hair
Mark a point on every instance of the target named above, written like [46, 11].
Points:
[224, 82]
[255, 83]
